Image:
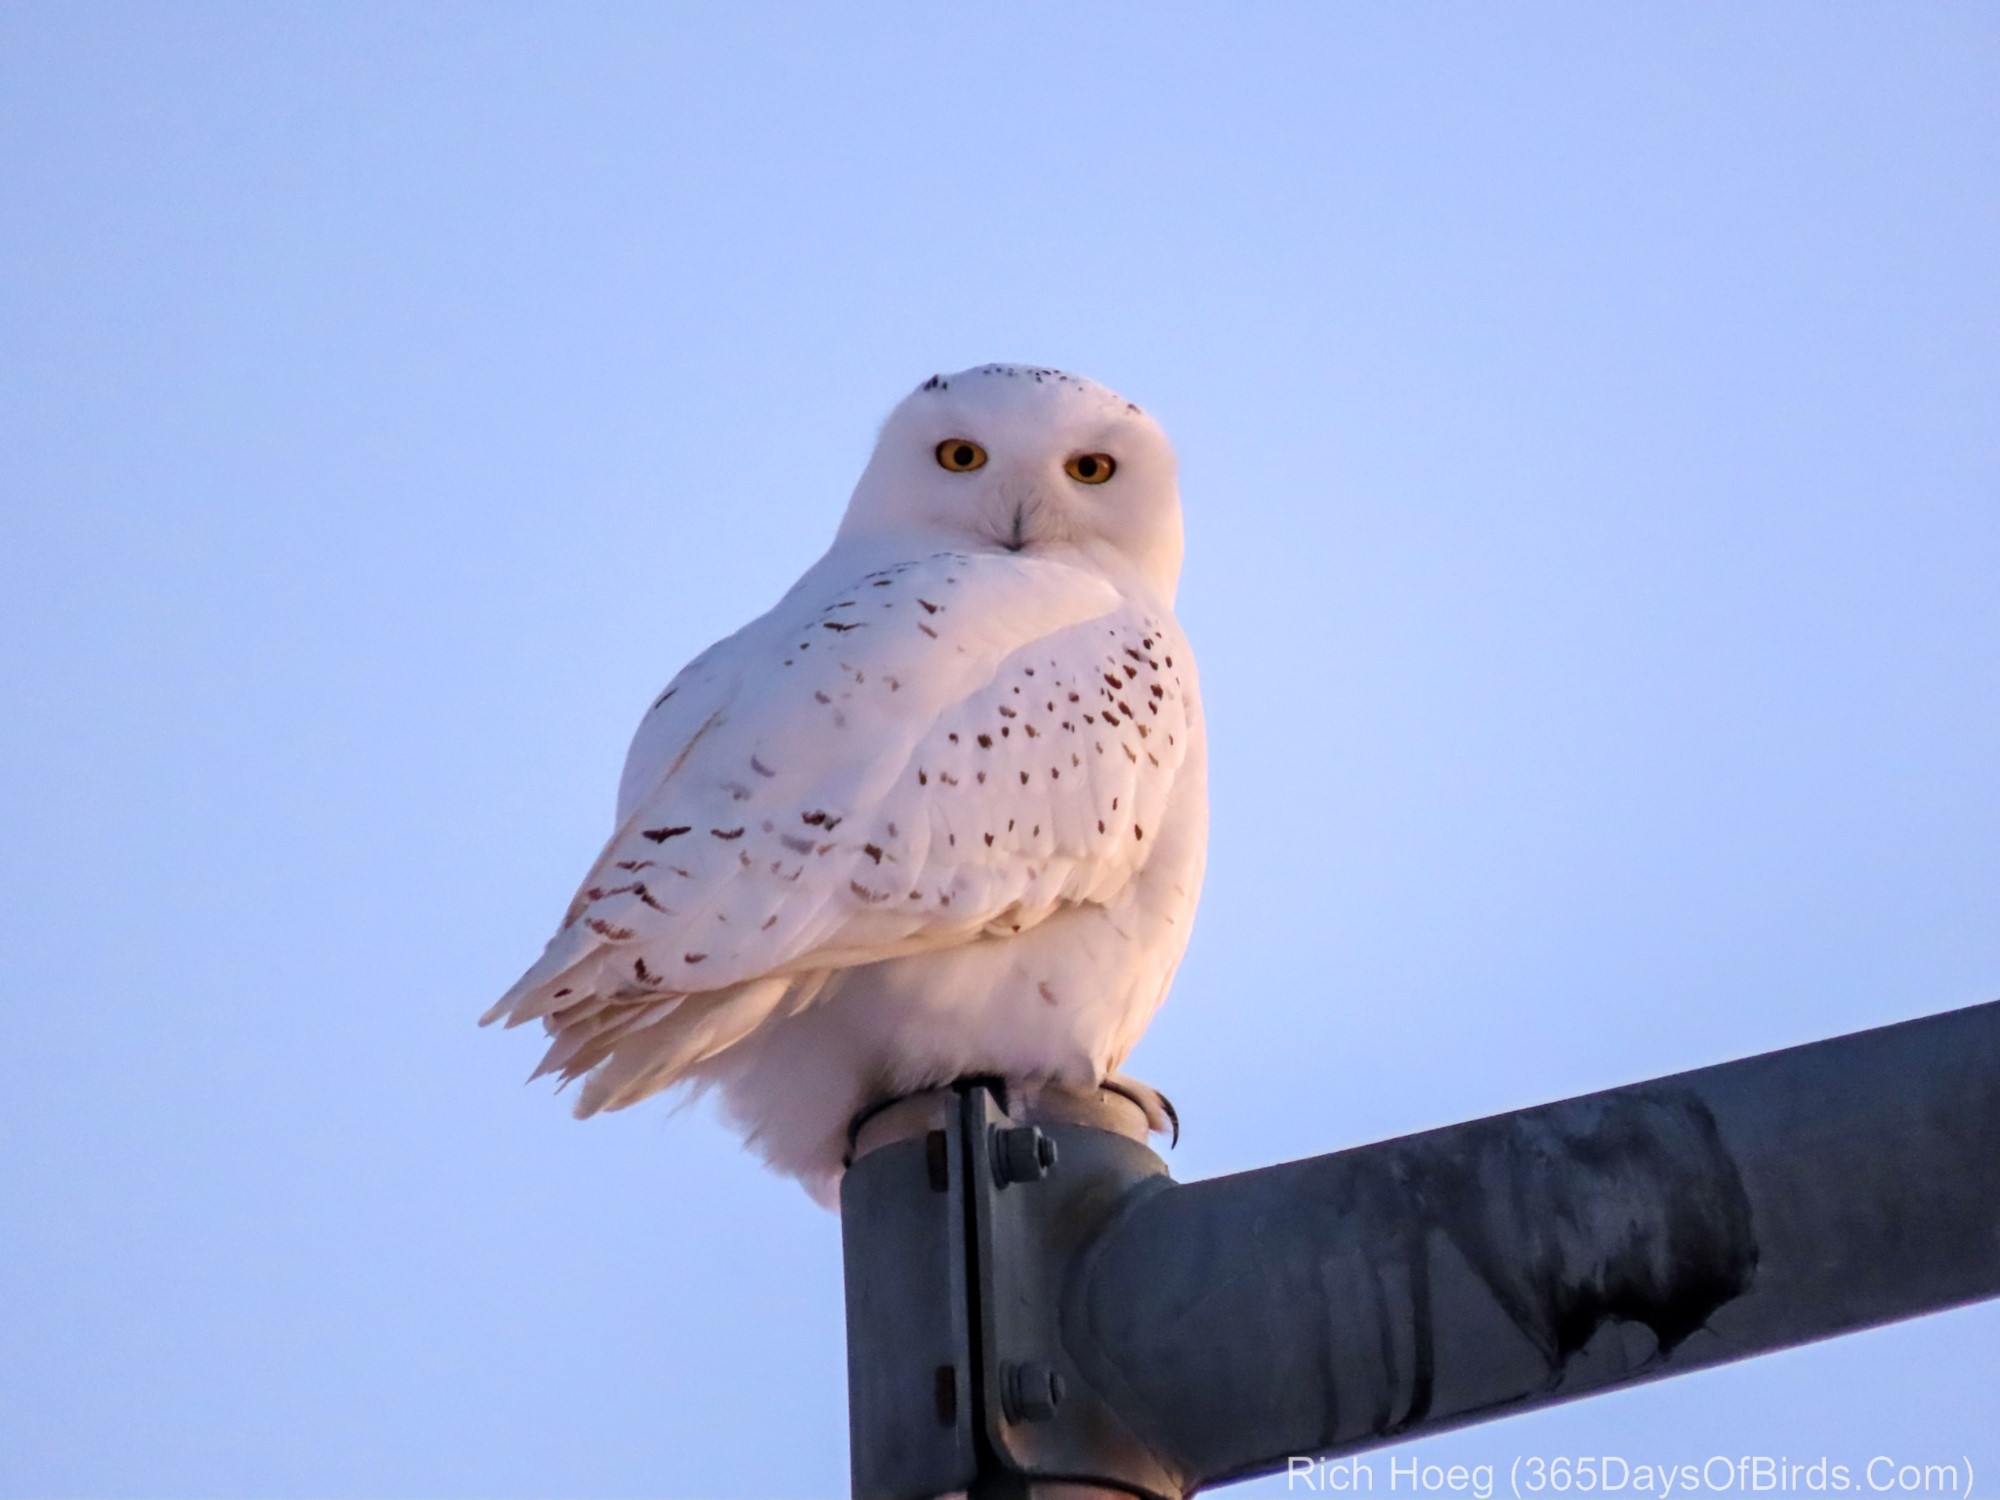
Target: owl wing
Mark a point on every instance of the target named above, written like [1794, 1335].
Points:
[886, 764]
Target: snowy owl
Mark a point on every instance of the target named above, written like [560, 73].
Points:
[942, 812]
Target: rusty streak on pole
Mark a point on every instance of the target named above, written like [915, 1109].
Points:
[1014, 1323]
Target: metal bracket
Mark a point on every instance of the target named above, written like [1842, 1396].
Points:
[1045, 1178]
[965, 1227]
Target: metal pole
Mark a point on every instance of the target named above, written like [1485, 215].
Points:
[1111, 1328]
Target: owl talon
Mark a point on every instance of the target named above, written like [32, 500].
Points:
[1159, 1109]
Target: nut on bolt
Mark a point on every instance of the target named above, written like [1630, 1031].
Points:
[1021, 1154]
[1029, 1391]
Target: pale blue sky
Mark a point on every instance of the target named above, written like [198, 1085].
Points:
[1588, 425]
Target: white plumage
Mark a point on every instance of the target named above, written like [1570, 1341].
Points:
[940, 812]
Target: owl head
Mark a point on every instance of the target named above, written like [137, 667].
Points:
[1021, 459]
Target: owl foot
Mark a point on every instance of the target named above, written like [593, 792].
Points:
[1159, 1109]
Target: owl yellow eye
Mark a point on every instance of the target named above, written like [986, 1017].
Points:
[1091, 468]
[961, 455]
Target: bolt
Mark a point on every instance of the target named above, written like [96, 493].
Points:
[1029, 1391]
[1021, 1154]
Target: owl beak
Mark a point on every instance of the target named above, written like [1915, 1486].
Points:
[1021, 502]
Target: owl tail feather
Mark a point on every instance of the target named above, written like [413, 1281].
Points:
[680, 1034]
[585, 1036]
[566, 970]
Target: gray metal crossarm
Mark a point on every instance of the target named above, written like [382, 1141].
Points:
[1100, 1326]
